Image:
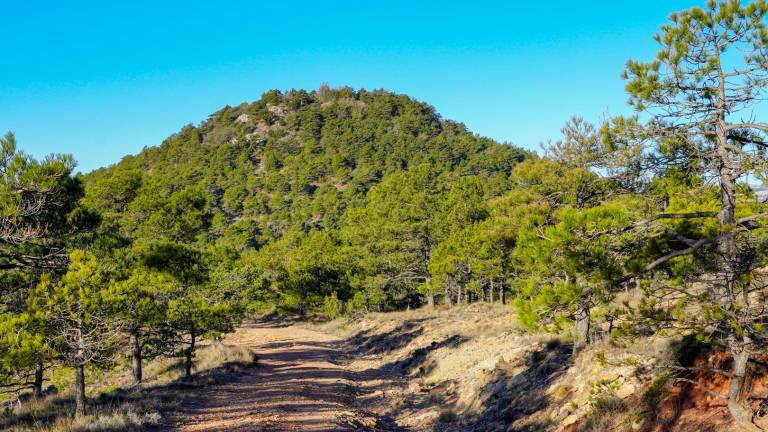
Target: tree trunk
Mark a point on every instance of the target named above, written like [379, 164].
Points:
[79, 390]
[80, 374]
[136, 358]
[740, 412]
[490, 292]
[189, 354]
[37, 385]
[431, 300]
[447, 297]
[727, 256]
[581, 330]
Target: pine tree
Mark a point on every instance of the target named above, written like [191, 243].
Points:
[39, 216]
[701, 91]
[140, 305]
[79, 326]
[36, 199]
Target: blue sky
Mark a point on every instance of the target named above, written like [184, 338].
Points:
[104, 79]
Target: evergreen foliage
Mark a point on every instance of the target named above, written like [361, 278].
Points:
[313, 194]
[340, 201]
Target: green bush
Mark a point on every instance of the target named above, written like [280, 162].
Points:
[332, 306]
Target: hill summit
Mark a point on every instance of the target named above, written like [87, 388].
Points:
[293, 161]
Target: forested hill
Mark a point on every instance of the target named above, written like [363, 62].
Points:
[273, 172]
[640, 241]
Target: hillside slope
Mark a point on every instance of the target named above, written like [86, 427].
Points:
[312, 201]
[295, 160]
[471, 368]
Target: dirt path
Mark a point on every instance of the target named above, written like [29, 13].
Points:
[298, 385]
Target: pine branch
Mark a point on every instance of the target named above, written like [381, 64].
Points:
[687, 251]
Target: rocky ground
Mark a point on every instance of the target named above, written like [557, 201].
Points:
[467, 369]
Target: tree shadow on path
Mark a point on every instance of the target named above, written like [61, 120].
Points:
[296, 387]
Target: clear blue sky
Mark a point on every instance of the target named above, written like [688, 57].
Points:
[104, 79]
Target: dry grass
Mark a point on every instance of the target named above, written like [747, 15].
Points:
[116, 406]
[608, 413]
[469, 320]
[472, 366]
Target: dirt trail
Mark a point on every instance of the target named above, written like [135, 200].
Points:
[299, 384]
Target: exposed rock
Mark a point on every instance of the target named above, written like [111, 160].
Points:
[627, 389]
[571, 419]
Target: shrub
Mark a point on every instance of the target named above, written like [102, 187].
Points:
[332, 306]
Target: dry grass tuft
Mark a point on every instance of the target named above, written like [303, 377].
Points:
[114, 405]
[608, 412]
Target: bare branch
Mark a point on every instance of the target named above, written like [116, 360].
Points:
[693, 248]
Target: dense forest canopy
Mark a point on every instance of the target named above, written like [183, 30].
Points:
[330, 192]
